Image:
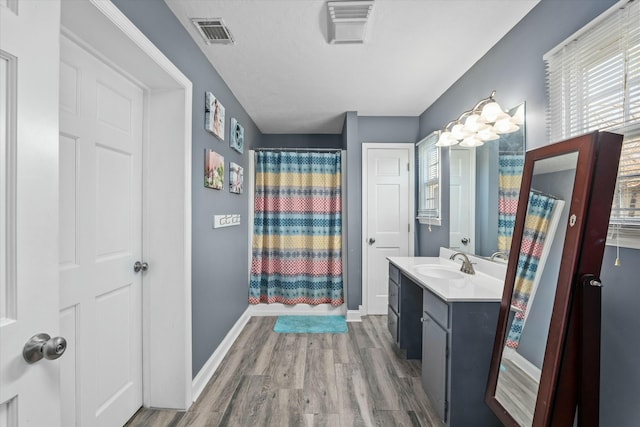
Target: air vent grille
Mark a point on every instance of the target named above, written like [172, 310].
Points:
[349, 10]
[213, 30]
[348, 20]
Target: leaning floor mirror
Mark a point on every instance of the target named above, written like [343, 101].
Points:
[548, 327]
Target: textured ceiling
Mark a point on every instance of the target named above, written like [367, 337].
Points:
[291, 80]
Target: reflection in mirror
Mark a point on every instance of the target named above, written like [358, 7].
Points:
[484, 184]
[535, 285]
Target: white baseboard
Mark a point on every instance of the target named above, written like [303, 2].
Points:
[278, 309]
[209, 368]
[355, 315]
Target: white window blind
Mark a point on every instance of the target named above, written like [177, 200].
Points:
[429, 180]
[593, 82]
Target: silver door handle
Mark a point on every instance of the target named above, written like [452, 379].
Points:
[43, 346]
[371, 240]
[138, 266]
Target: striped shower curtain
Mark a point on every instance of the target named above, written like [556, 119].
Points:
[536, 226]
[297, 240]
[511, 164]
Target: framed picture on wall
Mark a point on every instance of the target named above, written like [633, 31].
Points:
[236, 140]
[213, 170]
[213, 115]
[236, 178]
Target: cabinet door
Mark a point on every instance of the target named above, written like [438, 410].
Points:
[434, 364]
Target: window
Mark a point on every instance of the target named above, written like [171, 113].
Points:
[429, 180]
[593, 82]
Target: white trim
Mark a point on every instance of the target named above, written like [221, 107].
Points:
[412, 209]
[355, 315]
[278, 309]
[597, 20]
[167, 376]
[206, 372]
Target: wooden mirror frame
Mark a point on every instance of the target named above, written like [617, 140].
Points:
[573, 343]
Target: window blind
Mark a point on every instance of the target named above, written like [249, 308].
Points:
[429, 177]
[593, 82]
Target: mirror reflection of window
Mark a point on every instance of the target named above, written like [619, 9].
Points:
[429, 167]
[535, 286]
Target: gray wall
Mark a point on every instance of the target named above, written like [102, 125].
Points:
[354, 205]
[300, 141]
[358, 130]
[220, 265]
[514, 67]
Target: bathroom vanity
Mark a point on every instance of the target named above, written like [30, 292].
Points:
[448, 319]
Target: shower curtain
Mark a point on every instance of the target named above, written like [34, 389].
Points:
[511, 164]
[297, 240]
[536, 225]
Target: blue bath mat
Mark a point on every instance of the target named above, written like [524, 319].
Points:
[311, 325]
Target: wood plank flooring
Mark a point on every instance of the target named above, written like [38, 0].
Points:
[337, 380]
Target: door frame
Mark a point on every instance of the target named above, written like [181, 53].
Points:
[472, 191]
[412, 201]
[166, 193]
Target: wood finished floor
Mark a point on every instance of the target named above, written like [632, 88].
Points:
[272, 379]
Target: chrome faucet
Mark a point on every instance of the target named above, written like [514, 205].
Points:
[499, 254]
[467, 266]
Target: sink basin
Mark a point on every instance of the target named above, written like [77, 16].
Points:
[439, 272]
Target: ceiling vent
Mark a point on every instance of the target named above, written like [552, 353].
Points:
[213, 30]
[348, 20]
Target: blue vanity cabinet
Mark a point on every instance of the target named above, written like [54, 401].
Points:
[393, 309]
[457, 342]
[403, 313]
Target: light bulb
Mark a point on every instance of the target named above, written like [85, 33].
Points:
[488, 135]
[471, 141]
[446, 140]
[490, 111]
[474, 124]
[459, 132]
[505, 126]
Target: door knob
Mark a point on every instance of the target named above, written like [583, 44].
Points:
[43, 346]
[465, 240]
[140, 266]
[371, 240]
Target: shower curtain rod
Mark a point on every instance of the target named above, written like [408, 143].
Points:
[331, 150]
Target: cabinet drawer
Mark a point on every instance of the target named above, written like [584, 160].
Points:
[436, 308]
[392, 324]
[393, 295]
[394, 273]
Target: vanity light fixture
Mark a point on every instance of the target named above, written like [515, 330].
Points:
[486, 121]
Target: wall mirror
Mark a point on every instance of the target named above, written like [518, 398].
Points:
[559, 236]
[484, 183]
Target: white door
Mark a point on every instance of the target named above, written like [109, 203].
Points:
[28, 208]
[100, 240]
[389, 215]
[461, 203]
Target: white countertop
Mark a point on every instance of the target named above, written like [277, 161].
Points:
[472, 287]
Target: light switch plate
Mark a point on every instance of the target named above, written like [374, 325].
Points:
[220, 221]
